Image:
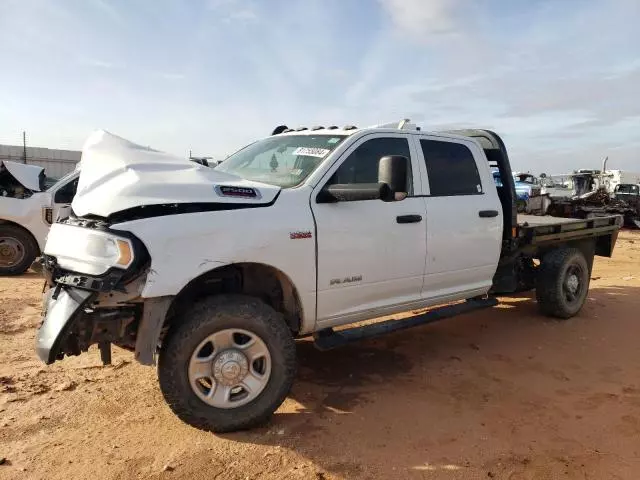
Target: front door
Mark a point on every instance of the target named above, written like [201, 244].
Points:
[371, 253]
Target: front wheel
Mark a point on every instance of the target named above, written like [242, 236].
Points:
[18, 250]
[562, 283]
[228, 364]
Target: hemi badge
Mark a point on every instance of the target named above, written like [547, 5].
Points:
[299, 235]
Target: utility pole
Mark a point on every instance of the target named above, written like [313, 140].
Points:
[24, 147]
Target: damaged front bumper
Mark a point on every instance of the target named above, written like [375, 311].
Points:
[81, 310]
[98, 313]
[60, 308]
[100, 308]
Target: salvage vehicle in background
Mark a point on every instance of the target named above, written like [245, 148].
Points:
[215, 272]
[530, 196]
[630, 193]
[27, 210]
[591, 198]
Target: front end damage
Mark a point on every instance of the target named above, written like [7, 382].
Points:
[96, 272]
[92, 297]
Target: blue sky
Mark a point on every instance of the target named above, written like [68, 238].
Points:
[559, 79]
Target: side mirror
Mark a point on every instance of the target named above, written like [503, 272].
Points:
[391, 186]
[353, 192]
[392, 171]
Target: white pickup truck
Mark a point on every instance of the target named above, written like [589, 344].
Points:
[27, 210]
[217, 271]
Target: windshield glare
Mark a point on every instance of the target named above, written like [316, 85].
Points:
[285, 161]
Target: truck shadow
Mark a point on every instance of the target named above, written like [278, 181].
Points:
[428, 386]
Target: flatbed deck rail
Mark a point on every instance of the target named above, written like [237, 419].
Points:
[539, 230]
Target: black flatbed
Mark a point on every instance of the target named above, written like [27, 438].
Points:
[537, 229]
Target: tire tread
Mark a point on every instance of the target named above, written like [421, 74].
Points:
[549, 284]
[191, 409]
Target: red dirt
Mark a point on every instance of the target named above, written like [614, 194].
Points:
[503, 393]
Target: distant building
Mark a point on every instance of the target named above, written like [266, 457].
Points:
[56, 163]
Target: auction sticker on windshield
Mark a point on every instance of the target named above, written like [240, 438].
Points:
[311, 152]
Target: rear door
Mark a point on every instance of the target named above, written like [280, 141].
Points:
[464, 218]
[370, 253]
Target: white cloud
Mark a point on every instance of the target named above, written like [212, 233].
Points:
[106, 7]
[172, 76]
[423, 18]
[234, 11]
[95, 62]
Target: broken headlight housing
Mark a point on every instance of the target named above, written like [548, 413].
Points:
[87, 250]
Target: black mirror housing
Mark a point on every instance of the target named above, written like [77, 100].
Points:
[391, 186]
[351, 192]
[392, 170]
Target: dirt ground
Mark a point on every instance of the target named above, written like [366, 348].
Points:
[503, 393]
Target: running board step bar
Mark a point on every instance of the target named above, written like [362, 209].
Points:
[329, 339]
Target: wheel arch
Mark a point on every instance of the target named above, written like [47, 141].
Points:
[21, 227]
[260, 280]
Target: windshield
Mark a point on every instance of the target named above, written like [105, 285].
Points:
[63, 180]
[285, 161]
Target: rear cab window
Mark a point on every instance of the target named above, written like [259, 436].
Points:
[451, 168]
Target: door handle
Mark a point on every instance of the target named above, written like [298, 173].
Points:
[409, 218]
[488, 213]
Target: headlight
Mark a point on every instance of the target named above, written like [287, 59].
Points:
[84, 250]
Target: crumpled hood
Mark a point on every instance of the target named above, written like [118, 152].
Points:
[28, 175]
[116, 175]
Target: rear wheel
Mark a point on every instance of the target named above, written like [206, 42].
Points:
[18, 250]
[562, 283]
[228, 364]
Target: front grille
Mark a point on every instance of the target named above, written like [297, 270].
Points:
[48, 215]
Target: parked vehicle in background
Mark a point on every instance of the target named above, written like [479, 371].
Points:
[614, 178]
[528, 191]
[557, 186]
[27, 210]
[530, 197]
[630, 194]
[215, 272]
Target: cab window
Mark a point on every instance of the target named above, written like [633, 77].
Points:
[361, 166]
